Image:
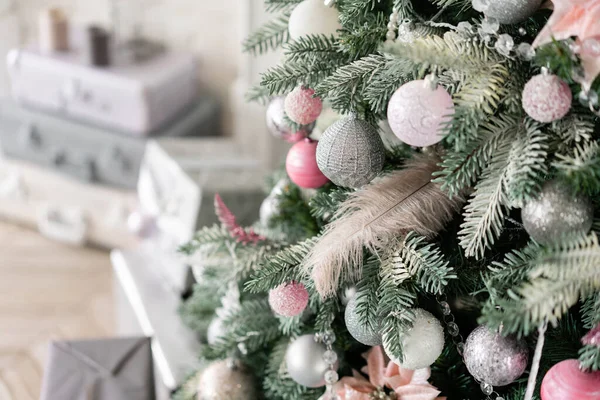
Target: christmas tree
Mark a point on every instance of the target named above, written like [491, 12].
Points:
[439, 239]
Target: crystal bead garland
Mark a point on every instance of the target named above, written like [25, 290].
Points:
[330, 357]
[459, 342]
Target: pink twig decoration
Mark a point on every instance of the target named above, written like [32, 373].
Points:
[226, 217]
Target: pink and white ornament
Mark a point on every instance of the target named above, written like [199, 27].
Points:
[547, 98]
[301, 165]
[289, 299]
[417, 113]
[565, 381]
[302, 107]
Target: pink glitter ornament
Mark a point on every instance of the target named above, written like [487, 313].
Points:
[301, 107]
[417, 113]
[289, 299]
[547, 98]
[301, 165]
[565, 381]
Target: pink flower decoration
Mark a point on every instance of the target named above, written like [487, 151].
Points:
[228, 220]
[592, 338]
[575, 18]
[407, 384]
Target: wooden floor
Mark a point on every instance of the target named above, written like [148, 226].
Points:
[47, 291]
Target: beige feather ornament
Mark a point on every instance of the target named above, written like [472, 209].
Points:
[400, 202]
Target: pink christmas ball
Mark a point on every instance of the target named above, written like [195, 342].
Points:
[289, 299]
[565, 381]
[301, 165]
[547, 98]
[417, 113]
[301, 107]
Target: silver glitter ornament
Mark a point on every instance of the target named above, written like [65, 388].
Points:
[305, 361]
[277, 125]
[508, 11]
[556, 212]
[359, 331]
[221, 380]
[495, 359]
[350, 153]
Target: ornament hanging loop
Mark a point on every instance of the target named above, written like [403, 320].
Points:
[431, 81]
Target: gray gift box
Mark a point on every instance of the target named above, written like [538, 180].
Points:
[103, 369]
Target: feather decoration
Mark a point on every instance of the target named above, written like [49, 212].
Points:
[403, 201]
[228, 220]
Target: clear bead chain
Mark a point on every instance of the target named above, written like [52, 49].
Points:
[330, 357]
[459, 342]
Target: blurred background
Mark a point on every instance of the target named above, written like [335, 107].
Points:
[119, 122]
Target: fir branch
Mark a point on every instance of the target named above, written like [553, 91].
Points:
[575, 128]
[591, 311]
[270, 36]
[485, 89]
[385, 82]
[281, 268]
[284, 78]
[367, 300]
[312, 48]
[258, 94]
[324, 204]
[589, 357]
[424, 262]
[486, 209]
[581, 171]
[214, 236]
[463, 129]
[279, 5]
[560, 276]
[327, 311]
[405, 9]
[363, 37]
[527, 168]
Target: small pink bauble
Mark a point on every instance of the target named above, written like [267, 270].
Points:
[565, 381]
[417, 113]
[547, 98]
[301, 165]
[301, 107]
[289, 299]
[141, 224]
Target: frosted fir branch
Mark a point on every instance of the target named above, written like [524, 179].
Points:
[311, 48]
[559, 277]
[591, 311]
[485, 89]
[323, 205]
[228, 220]
[281, 5]
[216, 236]
[272, 35]
[589, 358]
[385, 82]
[258, 94]
[581, 170]
[367, 300]
[284, 78]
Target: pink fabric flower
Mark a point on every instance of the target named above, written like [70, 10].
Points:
[577, 18]
[407, 384]
[592, 338]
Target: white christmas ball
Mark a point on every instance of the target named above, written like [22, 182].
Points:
[215, 330]
[305, 363]
[221, 380]
[507, 11]
[313, 17]
[423, 343]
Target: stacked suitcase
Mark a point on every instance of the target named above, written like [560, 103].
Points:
[85, 128]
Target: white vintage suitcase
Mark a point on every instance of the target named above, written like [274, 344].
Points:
[64, 209]
[136, 98]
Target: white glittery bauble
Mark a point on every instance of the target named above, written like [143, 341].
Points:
[362, 333]
[495, 359]
[305, 363]
[215, 330]
[423, 343]
[268, 209]
[219, 381]
[313, 17]
[301, 106]
[508, 11]
[351, 153]
[417, 114]
[556, 212]
[547, 98]
[278, 126]
[289, 299]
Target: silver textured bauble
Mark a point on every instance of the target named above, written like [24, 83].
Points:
[495, 359]
[362, 333]
[350, 152]
[220, 380]
[305, 362]
[277, 125]
[556, 212]
[507, 11]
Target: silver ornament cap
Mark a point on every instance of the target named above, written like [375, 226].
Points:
[350, 152]
[222, 381]
[495, 359]
[305, 361]
[359, 331]
[557, 212]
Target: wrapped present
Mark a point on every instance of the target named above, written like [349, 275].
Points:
[103, 369]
